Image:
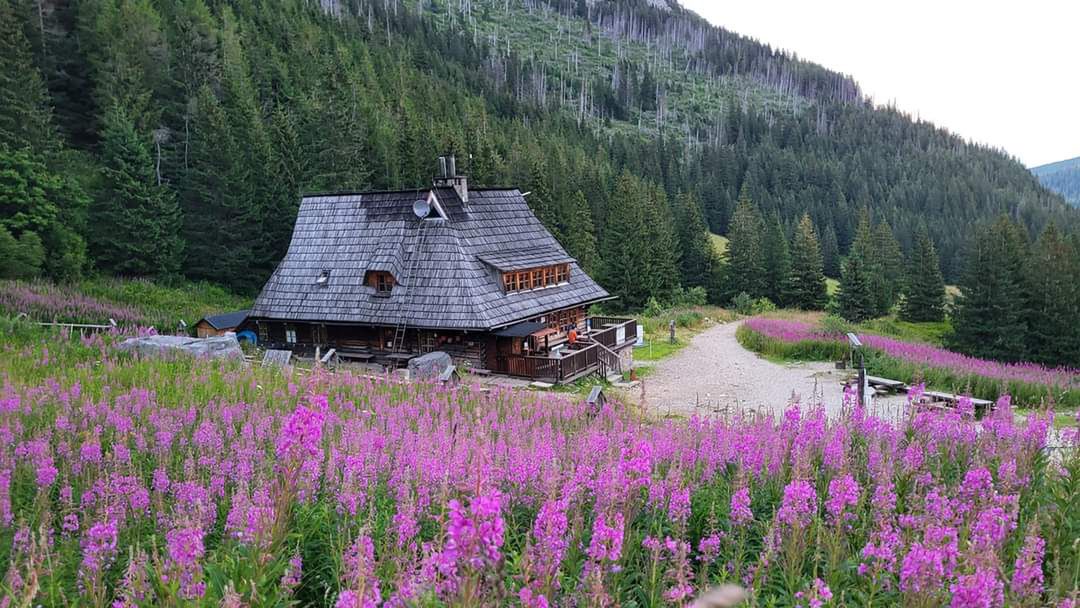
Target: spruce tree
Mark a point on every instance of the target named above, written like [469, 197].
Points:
[745, 255]
[855, 300]
[805, 287]
[989, 317]
[830, 252]
[662, 252]
[624, 244]
[889, 268]
[580, 236]
[696, 252]
[777, 262]
[25, 115]
[137, 221]
[924, 296]
[52, 206]
[1052, 286]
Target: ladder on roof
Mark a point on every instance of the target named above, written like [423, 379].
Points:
[398, 344]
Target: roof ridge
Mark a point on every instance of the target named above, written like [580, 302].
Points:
[403, 191]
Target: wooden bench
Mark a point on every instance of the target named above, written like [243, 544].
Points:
[479, 371]
[355, 355]
[892, 385]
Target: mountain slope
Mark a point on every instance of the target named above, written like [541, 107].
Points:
[1062, 177]
[233, 109]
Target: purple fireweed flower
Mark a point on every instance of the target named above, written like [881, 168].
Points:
[359, 576]
[99, 548]
[301, 435]
[606, 543]
[817, 596]
[979, 590]
[843, 493]
[991, 527]
[922, 569]
[921, 354]
[799, 506]
[474, 535]
[294, 573]
[709, 547]
[1027, 579]
[679, 506]
[184, 549]
[741, 514]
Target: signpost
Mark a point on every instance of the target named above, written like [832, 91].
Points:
[856, 346]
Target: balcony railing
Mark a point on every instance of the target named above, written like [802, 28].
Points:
[595, 352]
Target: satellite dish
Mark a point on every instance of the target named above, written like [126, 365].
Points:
[421, 208]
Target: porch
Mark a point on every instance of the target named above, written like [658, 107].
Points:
[536, 350]
[602, 348]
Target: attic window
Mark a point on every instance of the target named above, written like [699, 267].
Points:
[324, 278]
[535, 278]
[382, 281]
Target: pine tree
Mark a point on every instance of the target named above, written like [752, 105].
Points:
[989, 316]
[25, 115]
[830, 252]
[542, 199]
[1052, 286]
[777, 258]
[662, 252]
[696, 252]
[924, 296]
[580, 239]
[805, 287]
[137, 221]
[888, 266]
[624, 244]
[855, 300]
[53, 207]
[745, 255]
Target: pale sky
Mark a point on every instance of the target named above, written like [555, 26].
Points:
[1002, 74]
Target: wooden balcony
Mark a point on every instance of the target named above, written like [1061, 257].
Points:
[596, 352]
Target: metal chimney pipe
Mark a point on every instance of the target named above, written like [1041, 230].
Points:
[442, 166]
[452, 166]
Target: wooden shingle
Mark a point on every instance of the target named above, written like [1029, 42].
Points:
[456, 283]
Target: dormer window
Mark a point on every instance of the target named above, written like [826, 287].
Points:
[382, 281]
[535, 278]
[323, 278]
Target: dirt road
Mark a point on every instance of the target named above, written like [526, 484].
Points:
[715, 374]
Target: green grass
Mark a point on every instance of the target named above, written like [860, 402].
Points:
[719, 243]
[688, 323]
[166, 304]
[130, 301]
[930, 333]
[879, 364]
[832, 287]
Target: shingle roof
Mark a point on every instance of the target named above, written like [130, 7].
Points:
[521, 259]
[455, 284]
[226, 320]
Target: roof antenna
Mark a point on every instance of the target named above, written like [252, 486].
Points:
[421, 208]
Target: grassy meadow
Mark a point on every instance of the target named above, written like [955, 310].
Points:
[183, 482]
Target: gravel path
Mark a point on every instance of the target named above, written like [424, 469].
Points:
[718, 375]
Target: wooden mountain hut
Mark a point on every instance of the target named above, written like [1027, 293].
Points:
[387, 276]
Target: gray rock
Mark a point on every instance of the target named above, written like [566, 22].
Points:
[218, 347]
[428, 366]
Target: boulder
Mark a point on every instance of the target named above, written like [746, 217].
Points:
[429, 366]
[217, 347]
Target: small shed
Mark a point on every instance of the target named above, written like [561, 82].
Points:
[219, 325]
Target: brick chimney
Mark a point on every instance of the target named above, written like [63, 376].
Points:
[448, 178]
